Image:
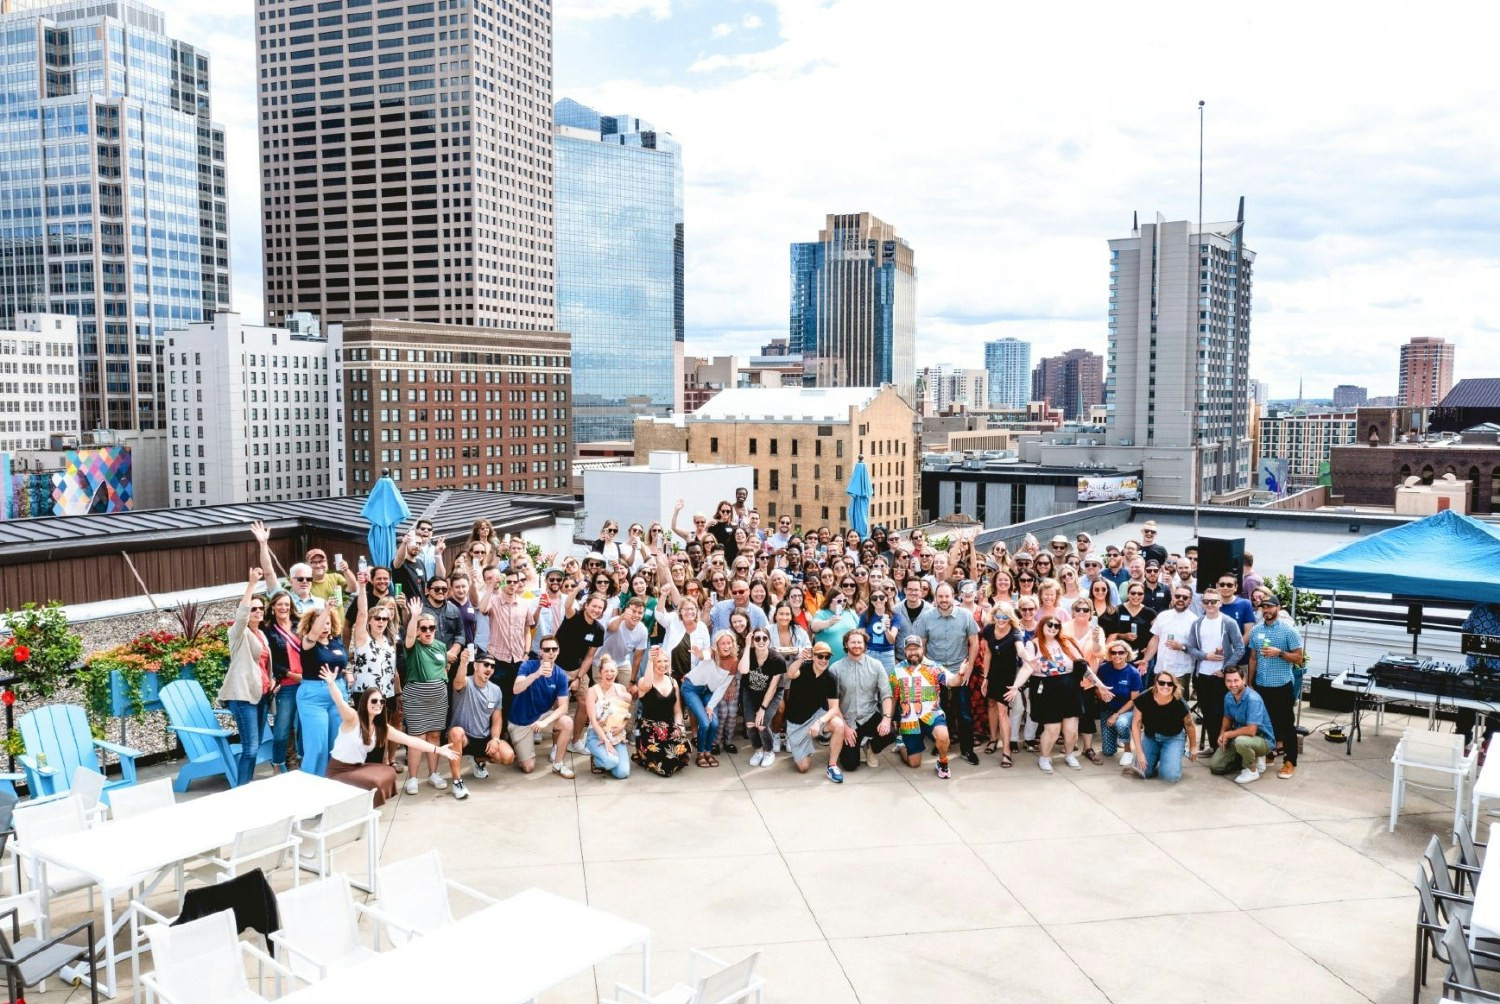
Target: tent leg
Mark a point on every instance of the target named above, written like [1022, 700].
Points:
[1297, 711]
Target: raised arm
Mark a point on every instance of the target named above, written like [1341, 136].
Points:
[676, 513]
[359, 634]
[414, 605]
[347, 716]
[320, 622]
[263, 535]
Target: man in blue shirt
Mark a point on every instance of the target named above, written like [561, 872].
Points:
[540, 704]
[1275, 653]
[1246, 734]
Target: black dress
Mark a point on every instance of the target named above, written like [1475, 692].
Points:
[661, 744]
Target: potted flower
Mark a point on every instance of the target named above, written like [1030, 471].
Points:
[40, 650]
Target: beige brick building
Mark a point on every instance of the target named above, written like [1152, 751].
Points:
[802, 443]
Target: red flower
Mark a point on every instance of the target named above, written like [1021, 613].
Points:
[22, 653]
[9, 697]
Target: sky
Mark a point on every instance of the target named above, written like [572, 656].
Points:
[1007, 143]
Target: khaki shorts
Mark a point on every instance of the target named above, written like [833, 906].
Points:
[522, 741]
[799, 738]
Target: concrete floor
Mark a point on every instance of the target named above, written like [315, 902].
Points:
[996, 885]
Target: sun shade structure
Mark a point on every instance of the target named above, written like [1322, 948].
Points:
[1447, 556]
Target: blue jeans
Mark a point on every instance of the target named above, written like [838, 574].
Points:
[1162, 755]
[250, 719]
[1115, 735]
[616, 760]
[286, 717]
[318, 721]
[696, 698]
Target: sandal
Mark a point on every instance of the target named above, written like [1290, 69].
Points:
[702, 760]
[1093, 755]
[712, 760]
[1005, 760]
[990, 747]
[595, 768]
[399, 768]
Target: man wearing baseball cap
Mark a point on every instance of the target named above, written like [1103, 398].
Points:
[1275, 652]
[812, 712]
[915, 684]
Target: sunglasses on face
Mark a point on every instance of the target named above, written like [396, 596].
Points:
[302, 578]
[380, 617]
[1165, 684]
[1210, 603]
[1052, 624]
[376, 702]
[550, 649]
[1120, 652]
[257, 610]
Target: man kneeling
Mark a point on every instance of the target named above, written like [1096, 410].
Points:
[812, 712]
[478, 721]
[1246, 736]
[540, 705]
[915, 684]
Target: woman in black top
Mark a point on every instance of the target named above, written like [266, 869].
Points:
[661, 744]
[1131, 621]
[1162, 726]
[1000, 658]
[761, 670]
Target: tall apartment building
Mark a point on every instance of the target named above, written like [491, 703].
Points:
[854, 305]
[1179, 346]
[802, 443]
[945, 387]
[1347, 395]
[1008, 361]
[1426, 373]
[1073, 381]
[113, 209]
[443, 406]
[406, 160]
[1305, 442]
[619, 267]
[38, 382]
[255, 414]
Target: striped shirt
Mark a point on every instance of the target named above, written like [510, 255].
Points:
[507, 616]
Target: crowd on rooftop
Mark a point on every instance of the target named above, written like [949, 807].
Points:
[673, 644]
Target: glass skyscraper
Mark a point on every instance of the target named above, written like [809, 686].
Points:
[854, 305]
[1009, 363]
[112, 200]
[619, 237]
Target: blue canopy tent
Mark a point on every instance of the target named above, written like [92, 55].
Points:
[859, 490]
[1447, 556]
[386, 510]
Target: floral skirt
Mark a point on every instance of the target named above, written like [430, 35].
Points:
[661, 747]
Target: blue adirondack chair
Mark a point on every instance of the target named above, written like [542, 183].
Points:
[61, 733]
[206, 743]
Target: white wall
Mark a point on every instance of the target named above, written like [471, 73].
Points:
[643, 494]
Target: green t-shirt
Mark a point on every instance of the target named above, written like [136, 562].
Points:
[427, 662]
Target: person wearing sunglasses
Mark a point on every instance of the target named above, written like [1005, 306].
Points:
[1276, 656]
[317, 716]
[372, 654]
[812, 712]
[761, 670]
[999, 656]
[425, 695]
[1049, 660]
[478, 721]
[950, 637]
[248, 683]
[1161, 728]
[1214, 642]
[540, 705]
[1117, 712]
[360, 730]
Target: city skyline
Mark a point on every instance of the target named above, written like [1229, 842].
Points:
[1010, 218]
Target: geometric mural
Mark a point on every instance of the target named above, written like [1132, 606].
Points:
[93, 480]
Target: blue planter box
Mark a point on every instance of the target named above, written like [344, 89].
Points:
[119, 692]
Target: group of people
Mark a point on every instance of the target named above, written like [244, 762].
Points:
[668, 645]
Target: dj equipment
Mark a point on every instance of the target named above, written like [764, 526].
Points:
[1415, 673]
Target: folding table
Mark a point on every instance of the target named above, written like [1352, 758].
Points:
[532, 942]
[136, 853]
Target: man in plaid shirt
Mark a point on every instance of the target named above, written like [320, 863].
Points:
[916, 684]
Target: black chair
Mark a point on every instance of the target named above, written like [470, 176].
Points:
[1462, 982]
[1430, 929]
[1470, 854]
[29, 961]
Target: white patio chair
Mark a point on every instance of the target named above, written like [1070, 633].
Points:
[1431, 760]
[340, 825]
[203, 961]
[414, 896]
[320, 929]
[35, 825]
[88, 788]
[721, 986]
[268, 848]
[139, 799]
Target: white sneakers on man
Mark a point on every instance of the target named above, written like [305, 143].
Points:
[1127, 759]
[755, 758]
[1246, 776]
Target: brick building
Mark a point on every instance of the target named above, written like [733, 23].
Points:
[456, 406]
[1368, 475]
[802, 444]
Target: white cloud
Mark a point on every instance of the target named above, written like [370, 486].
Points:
[722, 30]
[566, 11]
[751, 22]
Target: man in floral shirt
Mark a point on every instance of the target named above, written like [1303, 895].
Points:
[915, 684]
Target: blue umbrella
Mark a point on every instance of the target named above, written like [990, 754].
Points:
[386, 510]
[859, 498]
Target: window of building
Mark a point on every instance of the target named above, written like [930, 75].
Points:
[753, 445]
[775, 481]
[774, 444]
[713, 444]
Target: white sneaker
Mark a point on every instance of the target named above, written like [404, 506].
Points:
[577, 746]
[1246, 776]
[1045, 763]
[459, 791]
[1072, 761]
[480, 770]
[1260, 765]
[776, 743]
[562, 770]
[767, 758]
[755, 758]
[437, 781]
[1127, 759]
[411, 785]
